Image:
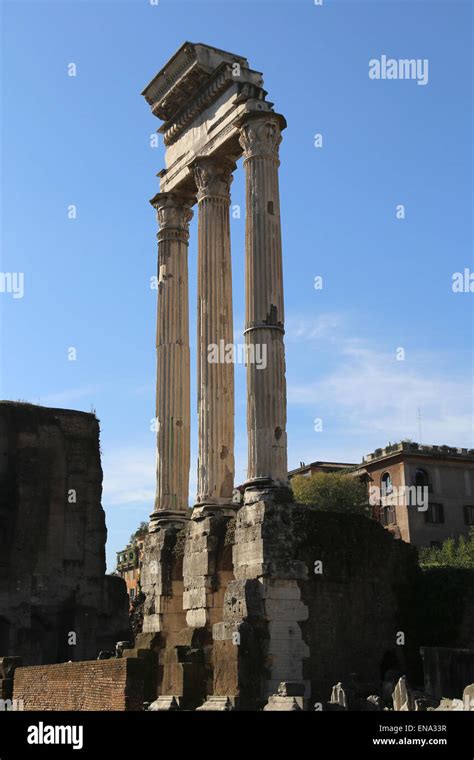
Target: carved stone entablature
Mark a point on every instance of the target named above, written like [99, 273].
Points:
[248, 86]
[216, 132]
[201, 94]
[206, 95]
[176, 83]
[249, 90]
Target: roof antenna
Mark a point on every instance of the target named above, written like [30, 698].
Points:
[419, 424]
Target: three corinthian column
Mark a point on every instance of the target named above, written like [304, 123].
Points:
[260, 136]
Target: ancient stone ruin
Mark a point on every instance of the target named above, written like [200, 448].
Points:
[56, 602]
[252, 601]
[236, 612]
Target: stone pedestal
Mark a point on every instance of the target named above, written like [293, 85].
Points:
[259, 642]
[165, 704]
[161, 583]
[202, 596]
[219, 704]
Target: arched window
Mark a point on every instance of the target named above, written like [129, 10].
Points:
[386, 487]
[420, 479]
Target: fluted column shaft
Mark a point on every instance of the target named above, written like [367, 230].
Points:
[260, 138]
[172, 352]
[215, 381]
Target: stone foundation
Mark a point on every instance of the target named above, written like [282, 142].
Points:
[279, 593]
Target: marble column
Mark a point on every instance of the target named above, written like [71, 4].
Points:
[260, 137]
[215, 381]
[172, 351]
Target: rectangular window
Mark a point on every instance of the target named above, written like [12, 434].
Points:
[434, 514]
[469, 514]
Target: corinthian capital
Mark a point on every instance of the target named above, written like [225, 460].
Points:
[261, 136]
[213, 177]
[173, 210]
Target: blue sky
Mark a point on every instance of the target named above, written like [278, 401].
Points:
[85, 140]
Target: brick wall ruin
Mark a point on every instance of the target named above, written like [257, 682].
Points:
[115, 684]
[52, 539]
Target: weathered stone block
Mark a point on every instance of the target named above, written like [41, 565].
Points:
[195, 598]
[219, 704]
[285, 610]
[52, 538]
[468, 698]
[165, 704]
[284, 704]
[402, 696]
[197, 618]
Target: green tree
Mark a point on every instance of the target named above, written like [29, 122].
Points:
[141, 531]
[451, 553]
[332, 491]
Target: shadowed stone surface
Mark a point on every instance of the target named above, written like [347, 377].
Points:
[52, 539]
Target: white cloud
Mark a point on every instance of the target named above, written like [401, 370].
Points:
[324, 326]
[129, 476]
[372, 392]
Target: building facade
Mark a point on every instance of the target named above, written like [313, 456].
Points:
[129, 564]
[306, 470]
[423, 493]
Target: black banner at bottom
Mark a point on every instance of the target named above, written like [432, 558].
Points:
[378, 734]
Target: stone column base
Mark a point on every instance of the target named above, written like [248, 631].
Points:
[167, 517]
[290, 696]
[201, 511]
[165, 704]
[205, 538]
[221, 704]
[284, 703]
[259, 489]
[160, 570]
